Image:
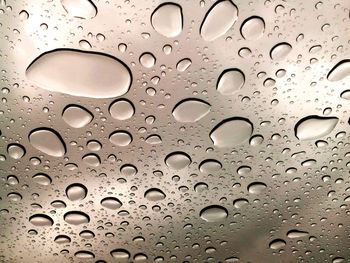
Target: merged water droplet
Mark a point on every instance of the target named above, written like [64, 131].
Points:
[231, 132]
[183, 64]
[280, 51]
[100, 75]
[120, 138]
[218, 20]
[47, 141]
[178, 160]
[190, 110]
[154, 194]
[76, 218]
[214, 213]
[314, 127]
[339, 71]
[121, 109]
[111, 203]
[80, 8]
[230, 81]
[253, 28]
[76, 192]
[16, 151]
[76, 116]
[41, 220]
[167, 19]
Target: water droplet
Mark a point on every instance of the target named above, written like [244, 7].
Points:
[200, 187]
[147, 60]
[190, 110]
[87, 234]
[183, 64]
[167, 19]
[178, 160]
[42, 179]
[47, 141]
[111, 203]
[92, 159]
[314, 127]
[210, 166]
[277, 244]
[12, 180]
[14, 197]
[345, 95]
[280, 51]
[154, 139]
[218, 20]
[84, 9]
[297, 234]
[154, 194]
[214, 213]
[120, 138]
[100, 75]
[230, 81]
[84, 254]
[128, 170]
[76, 116]
[339, 71]
[24, 15]
[62, 239]
[240, 203]
[231, 132]
[16, 151]
[253, 28]
[76, 218]
[41, 220]
[256, 140]
[256, 188]
[58, 204]
[94, 145]
[85, 44]
[76, 192]
[121, 109]
[121, 255]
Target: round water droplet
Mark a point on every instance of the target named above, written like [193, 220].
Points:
[339, 71]
[218, 20]
[147, 60]
[122, 255]
[92, 159]
[240, 202]
[128, 170]
[183, 64]
[14, 197]
[314, 127]
[76, 218]
[214, 213]
[256, 140]
[280, 51]
[76, 116]
[12, 180]
[100, 75]
[210, 166]
[178, 160]
[84, 9]
[76, 192]
[253, 28]
[231, 132]
[190, 110]
[256, 188]
[47, 141]
[120, 138]
[167, 19]
[16, 151]
[277, 244]
[200, 187]
[111, 203]
[42, 179]
[41, 220]
[94, 145]
[121, 109]
[230, 81]
[154, 194]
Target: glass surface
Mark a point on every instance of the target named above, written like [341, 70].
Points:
[184, 131]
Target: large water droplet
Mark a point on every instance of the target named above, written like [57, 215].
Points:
[121, 109]
[122, 255]
[147, 60]
[111, 203]
[277, 244]
[256, 188]
[76, 116]
[84, 254]
[297, 233]
[120, 138]
[314, 127]
[154, 194]
[210, 166]
[92, 159]
[80, 8]
[183, 64]
[178, 160]
[214, 213]
[42, 179]
[218, 20]
[76, 218]
[62, 239]
[253, 28]
[16, 151]
[80, 73]
[47, 141]
[76, 192]
[230, 81]
[166, 19]
[190, 110]
[231, 132]
[280, 51]
[339, 71]
[345, 94]
[41, 220]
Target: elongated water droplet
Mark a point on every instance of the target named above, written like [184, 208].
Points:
[100, 75]
[190, 110]
[41, 220]
[62, 239]
[76, 116]
[84, 254]
[277, 244]
[80, 8]
[92, 159]
[111, 203]
[76, 218]
[314, 127]
[214, 213]
[230, 81]
[210, 166]
[167, 19]
[42, 179]
[154, 194]
[339, 71]
[47, 141]
[183, 64]
[297, 233]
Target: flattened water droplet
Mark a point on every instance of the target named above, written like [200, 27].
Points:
[147, 60]
[111, 203]
[41, 220]
[178, 160]
[80, 8]
[167, 19]
[210, 166]
[120, 138]
[297, 233]
[100, 75]
[190, 110]
[253, 28]
[154, 194]
[256, 187]
[121, 109]
[277, 244]
[76, 192]
[339, 71]
[280, 51]
[76, 218]
[183, 64]
[16, 151]
[214, 213]
[154, 139]
[240, 202]
[84, 254]
[122, 255]
[87, 234]
[62, 239]
[42, 179]
[47, 141]
[314, 127]
[76, 116]
[218, 20]
[230, 81]
[231, 132]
